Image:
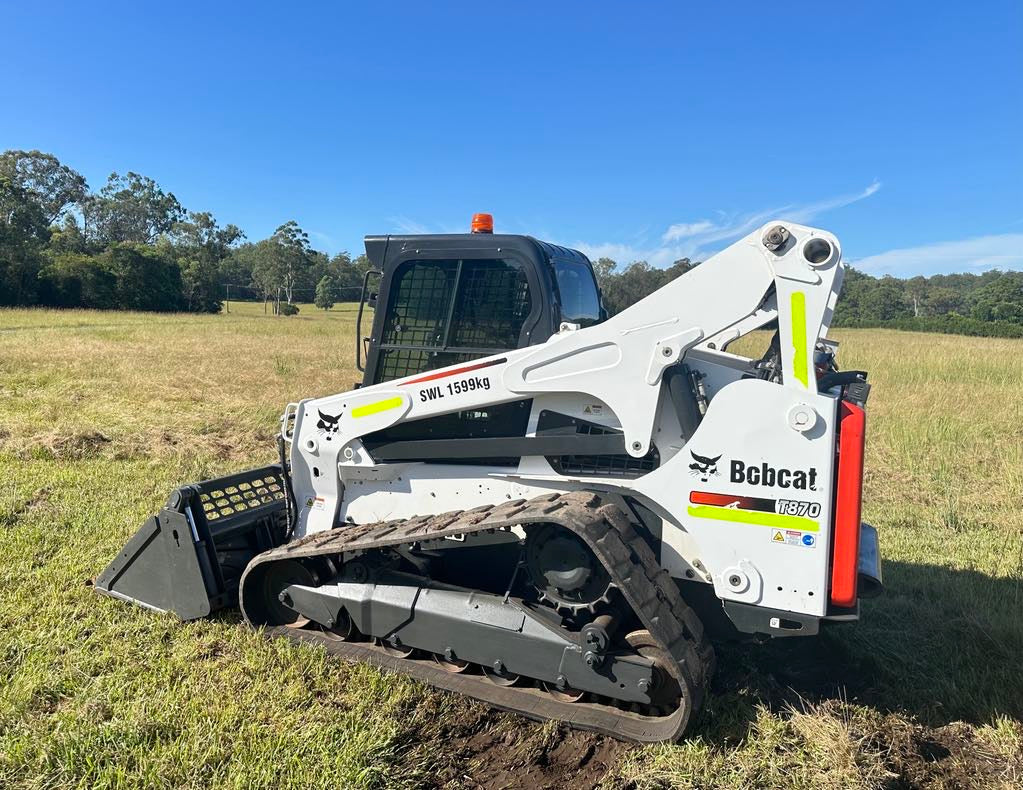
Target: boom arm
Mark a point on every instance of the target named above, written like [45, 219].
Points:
[620, 361]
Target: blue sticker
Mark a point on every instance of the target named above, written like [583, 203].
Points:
[808, 540]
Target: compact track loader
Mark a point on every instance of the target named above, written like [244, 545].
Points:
[542, 507]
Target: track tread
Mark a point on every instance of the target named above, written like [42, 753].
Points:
[634, 569]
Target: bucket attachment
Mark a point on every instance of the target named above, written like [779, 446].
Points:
[189, 557]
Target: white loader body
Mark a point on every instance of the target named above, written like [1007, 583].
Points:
[746, 501]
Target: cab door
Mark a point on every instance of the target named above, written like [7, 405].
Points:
[440, 310]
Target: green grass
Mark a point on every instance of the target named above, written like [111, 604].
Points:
[101, 414]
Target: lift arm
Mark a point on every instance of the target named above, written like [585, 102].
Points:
[783, 271]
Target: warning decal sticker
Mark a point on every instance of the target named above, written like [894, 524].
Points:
[793, 537]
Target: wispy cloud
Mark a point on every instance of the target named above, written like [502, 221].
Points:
[702, 237]
[403, 224]
[999, 251]
[696, 239]
[410, 226]
[685, 230]
[811, 210]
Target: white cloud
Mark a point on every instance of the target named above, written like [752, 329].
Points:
[623, 253]
[696, 240]
[999, 251]
[683, 230]
[811, 210]
[701, 238]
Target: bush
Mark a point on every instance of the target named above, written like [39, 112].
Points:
[74, 279]
[146, 280]
[326, 292]
[286, 308]
[124, 277]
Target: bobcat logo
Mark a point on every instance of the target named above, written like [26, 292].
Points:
[703, 467]
[328, 425]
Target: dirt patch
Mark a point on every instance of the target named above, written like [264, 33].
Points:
[948, 756]
[209, 446]
[484, 748]
[538, 758]
[74, 446]
[12, 514]
[791, 672]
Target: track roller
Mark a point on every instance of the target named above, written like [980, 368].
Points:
[448, 662]
[393, 647]
[343, 630]
[563, 694]
[500, 676]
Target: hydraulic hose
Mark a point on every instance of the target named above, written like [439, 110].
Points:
[290, 505]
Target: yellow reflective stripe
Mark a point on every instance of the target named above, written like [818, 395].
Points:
[799, 362]
[376, 408]
[753, 517]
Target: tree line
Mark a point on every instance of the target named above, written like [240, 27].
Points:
[131, 245]
[990, 303]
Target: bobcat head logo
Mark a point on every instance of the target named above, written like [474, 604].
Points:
[703, 467]
[327, 424]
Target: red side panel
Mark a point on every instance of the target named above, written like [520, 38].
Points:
[848, 496]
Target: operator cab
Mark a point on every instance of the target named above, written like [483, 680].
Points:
[449, 298]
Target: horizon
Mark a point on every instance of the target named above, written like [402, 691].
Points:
[632, 135]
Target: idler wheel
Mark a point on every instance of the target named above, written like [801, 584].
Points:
[665, 693]
[277, 577]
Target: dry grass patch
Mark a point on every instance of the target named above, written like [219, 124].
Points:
[102, 414]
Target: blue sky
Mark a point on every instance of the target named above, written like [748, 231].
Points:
[635, 130]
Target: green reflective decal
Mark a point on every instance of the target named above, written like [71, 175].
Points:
[799, 362]
[756, 518]
[376, 408]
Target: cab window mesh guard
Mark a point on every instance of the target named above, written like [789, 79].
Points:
[445, 312]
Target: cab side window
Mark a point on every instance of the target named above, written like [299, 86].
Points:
[577, 289]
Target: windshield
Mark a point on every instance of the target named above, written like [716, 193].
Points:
[580, 301]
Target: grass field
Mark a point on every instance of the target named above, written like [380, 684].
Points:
[102, 414]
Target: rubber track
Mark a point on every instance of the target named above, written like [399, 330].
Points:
[634, 569]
